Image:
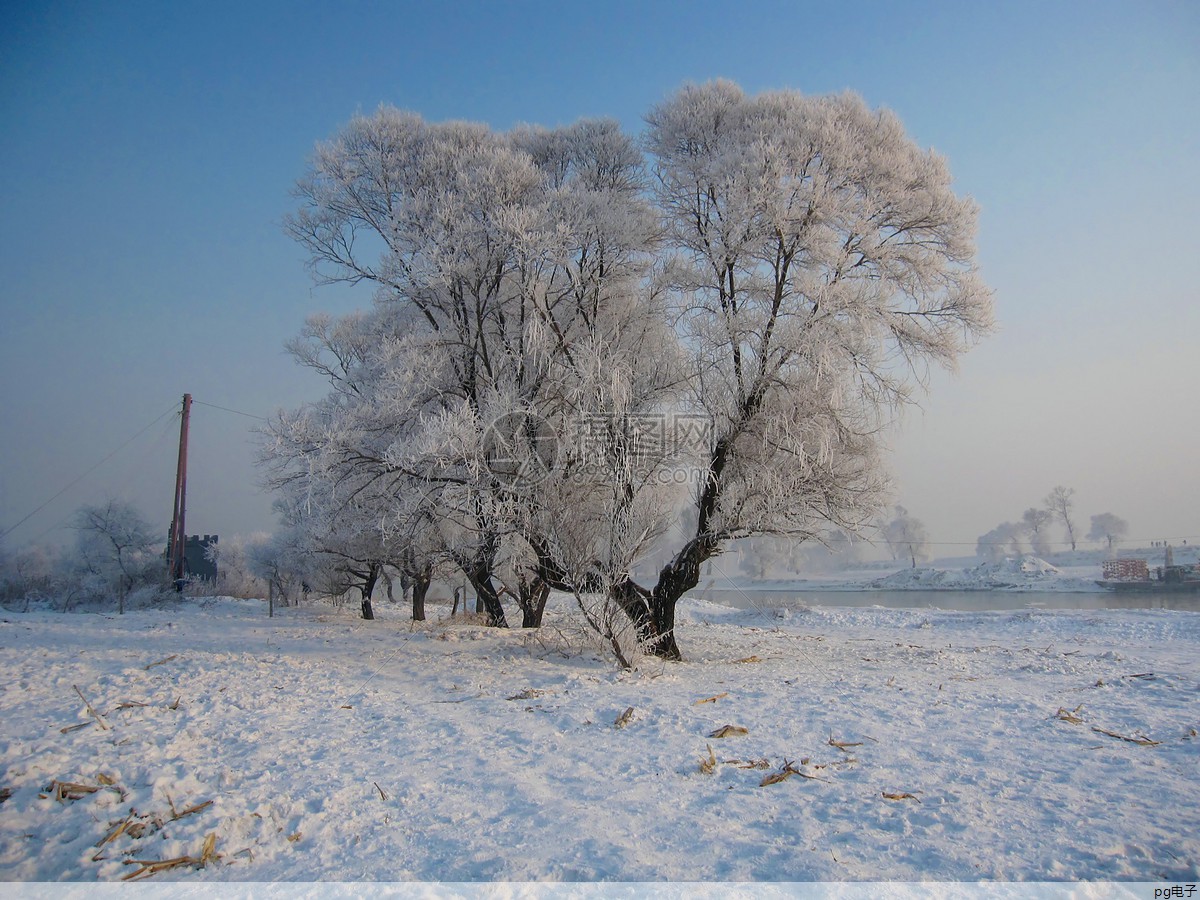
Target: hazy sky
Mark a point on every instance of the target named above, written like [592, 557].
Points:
[147, 151]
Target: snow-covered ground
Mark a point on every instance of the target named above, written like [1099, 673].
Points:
[906, 745]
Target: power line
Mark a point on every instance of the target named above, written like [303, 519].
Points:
[236, 412]
[157, 419]
[93, 468]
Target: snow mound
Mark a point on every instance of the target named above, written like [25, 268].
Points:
[1019, 573]
[1024, 566]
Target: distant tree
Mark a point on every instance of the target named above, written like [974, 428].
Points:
[1035, 522]
[837, 550]
[1060, 503]
[36, 572]
[117, 549]
[282, 562]
[1107, 527]
[234, 575]
[759, 557]
[1001, 541]
[906, 536]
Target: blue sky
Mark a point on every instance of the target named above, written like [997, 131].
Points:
[148, 150]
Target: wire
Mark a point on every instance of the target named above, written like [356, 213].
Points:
[157, 419]
[236, 412]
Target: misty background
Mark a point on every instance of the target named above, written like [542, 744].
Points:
[148, 151]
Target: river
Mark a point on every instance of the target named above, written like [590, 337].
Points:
[967, 601]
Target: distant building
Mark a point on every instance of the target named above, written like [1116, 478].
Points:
[196, 563]
[196, 557]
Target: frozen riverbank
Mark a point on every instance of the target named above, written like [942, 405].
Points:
[908, 745]
[1075, 573]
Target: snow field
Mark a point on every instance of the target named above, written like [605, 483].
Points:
[337, 749]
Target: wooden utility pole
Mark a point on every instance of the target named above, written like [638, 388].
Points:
[177, 556]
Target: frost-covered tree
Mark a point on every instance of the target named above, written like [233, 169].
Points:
[906, 536]
[819, 261]
[447, 222]
[1002, 541]
[116, 549]
[1035, 522]
[235, 577]
[810, 261]
[1108, 528]
[283, 563]
[30, 573]
[500, 263]
[341, 540]
[837, 550]
[759, 557]
[1060, 503]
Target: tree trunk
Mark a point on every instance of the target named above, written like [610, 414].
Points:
[367, 589]
[653, 612]
[663, 599]
[634, 601]
[488, 599]
[683, 572]
[532, 597]
[420, 585]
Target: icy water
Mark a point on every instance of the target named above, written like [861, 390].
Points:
[968, 601]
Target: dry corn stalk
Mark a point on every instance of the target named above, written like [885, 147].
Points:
[749, 763]
[70, 790]
[729, 731]
[843, 745]
[708, 766]
[1136, 739]
[208, 853]
[1070, 715]
[785, 772]
[133, 825]
[900, 795]
[712, 699]
[191, 809]
[624, 718]
[153, 866]
[119, 830]
[529, 694]
[91, 711]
